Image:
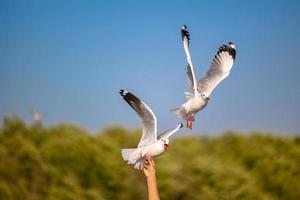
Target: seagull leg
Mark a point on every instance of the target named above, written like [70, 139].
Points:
[191, 123]
[187, 120]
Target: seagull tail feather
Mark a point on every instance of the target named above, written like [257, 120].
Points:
[179, 112]
[130, 155]
[127, 154]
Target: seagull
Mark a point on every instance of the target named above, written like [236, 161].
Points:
[150, 144]
[35, 115]
[199, 91]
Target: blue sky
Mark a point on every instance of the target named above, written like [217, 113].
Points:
[69, 59]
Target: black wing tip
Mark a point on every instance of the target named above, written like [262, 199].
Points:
[129, 98]
[185, 33]
[123, 93]
[184, 27]
[231, 45]
[181, 125]
[230, 48]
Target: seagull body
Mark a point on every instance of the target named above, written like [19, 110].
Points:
[194, 104]
[150, 144]
[154, 149]
[199, 92]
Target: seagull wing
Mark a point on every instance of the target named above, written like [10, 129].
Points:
[146, 115]
[190, 79]
[185, 36]
[219, 68]
[170, 132]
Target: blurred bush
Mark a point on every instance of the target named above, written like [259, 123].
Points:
[66, 162]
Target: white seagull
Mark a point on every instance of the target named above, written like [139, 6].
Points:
[35, 115]
[199, 91]
[150, 144]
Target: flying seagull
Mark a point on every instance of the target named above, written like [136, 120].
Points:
[150, 144]
[199, 91]
[35, 115]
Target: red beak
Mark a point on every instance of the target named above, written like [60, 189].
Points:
[207, 98]
[166, 146]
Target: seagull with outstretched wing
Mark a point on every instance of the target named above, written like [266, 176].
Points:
[150, 144]
[199, 91]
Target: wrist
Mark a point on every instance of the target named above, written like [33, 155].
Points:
[151, 177]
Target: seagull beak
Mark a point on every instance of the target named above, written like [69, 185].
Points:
[166, 146]
[207, 98]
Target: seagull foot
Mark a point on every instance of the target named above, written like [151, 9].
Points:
[190, 125]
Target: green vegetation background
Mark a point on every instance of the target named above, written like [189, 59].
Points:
[66, 162]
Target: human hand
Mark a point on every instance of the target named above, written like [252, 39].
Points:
[149, 167]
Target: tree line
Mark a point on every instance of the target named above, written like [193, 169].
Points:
[69, 163]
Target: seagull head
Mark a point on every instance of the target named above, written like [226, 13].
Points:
[204, 96]
[165, 143]
[183, 27]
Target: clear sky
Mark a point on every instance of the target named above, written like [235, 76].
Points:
[69, 59]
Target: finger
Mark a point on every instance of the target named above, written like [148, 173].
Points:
[146, 167]
[152, 162]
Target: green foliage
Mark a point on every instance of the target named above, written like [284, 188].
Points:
[65, 162]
